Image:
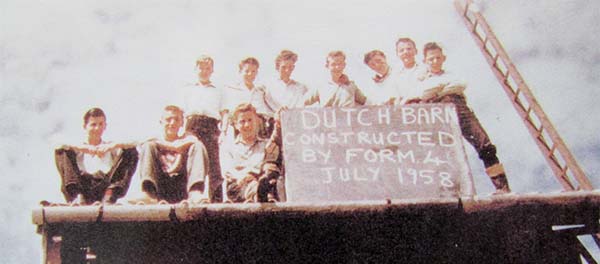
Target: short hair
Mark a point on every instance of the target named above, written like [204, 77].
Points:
[285, 55]
[93, 112]
[409, 40]
[431, 46]
[369, 56]
[242, 108]
[333, 54]
[203, 59]
[249, 60]
[174, 109]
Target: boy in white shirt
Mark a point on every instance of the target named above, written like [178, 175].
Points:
[97, 170]
[441, 87]
[385, 89]
[286, 92]
[339, 91]
[248, 92]
[203, 105]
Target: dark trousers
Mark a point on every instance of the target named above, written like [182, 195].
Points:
[93, 186]
[206, 129]
[257, 190]
[471, 129]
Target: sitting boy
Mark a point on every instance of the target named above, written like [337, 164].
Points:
[439, 86]
[95, 171]
[248, 164]
[173, 168]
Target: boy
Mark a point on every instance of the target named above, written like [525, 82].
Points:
[406, 50]
[173, 168]
[202, 102]
[385, 86]
[286, 92]
[97, 170]
[440, 87]
[249, 162]
[340, 91]
[248, 92]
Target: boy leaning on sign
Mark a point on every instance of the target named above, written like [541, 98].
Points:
[439, 86]
[384, 89]
[340, 91]
[95, 170]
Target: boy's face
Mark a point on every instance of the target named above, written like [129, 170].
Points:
[435, 60]
[286, 67]
[172, 122]
[406, 51]
[249, 72]
[95, 126]
[378, 64]
[246, 123]
[205, 69]
[336, 64]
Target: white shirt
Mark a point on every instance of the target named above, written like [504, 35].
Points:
[334, 95]
[280, 94]
[92, 163]
[382, 91]
[408, 83]
[234, 95]
[202, 100]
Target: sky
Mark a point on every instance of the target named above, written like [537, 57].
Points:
[59, 58]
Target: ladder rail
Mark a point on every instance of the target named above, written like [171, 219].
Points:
[474, 21]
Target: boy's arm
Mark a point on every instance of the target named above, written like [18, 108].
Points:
[179, 145]
[359, 97]
[312, 97]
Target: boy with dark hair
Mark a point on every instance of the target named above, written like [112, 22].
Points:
[97, 170]
[249, 162]
[173, 168]
[385, 89]
[440, 86]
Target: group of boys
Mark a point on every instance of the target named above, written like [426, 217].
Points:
[230, 150]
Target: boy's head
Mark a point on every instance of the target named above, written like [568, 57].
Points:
[94, 122]
[245, 120]
[285, 63]
[375, 59]
[172, 119]
[336, 61]
[204, 65]
[249, 69]
[434, 57]
[406, 50]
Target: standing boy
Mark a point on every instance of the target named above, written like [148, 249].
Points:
[441, 87]
[286, 92]
[203, 104]
[339, 91]
[384, 90]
